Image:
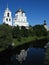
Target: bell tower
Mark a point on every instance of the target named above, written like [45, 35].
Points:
[7, 19]
[45, 25]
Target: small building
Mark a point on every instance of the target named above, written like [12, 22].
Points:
[45, 25]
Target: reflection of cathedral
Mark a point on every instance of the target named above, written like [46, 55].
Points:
[20, 18]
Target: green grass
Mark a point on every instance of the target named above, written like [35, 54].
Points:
[25, 40]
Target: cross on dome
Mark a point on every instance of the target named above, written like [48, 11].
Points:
[7, 7]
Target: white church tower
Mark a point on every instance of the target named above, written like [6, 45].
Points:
[7, 17]
[20, 19]
[45, 25]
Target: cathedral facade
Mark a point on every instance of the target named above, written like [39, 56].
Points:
[20, 18]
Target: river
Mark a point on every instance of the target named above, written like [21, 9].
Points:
[33, 56]
[32, 53]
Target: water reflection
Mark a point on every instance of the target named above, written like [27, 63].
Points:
[32, 56]
[22, 56]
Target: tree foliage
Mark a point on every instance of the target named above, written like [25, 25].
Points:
[39, 30]
[5, 36]
[7, 33]
[16, 33]
[24, 32]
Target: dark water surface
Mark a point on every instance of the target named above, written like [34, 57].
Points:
[35, 56]
[27, 54]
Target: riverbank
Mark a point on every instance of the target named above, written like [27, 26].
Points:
[47, 55]
[26, 40]
[6, 54]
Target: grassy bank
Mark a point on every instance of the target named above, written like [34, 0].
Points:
[26, 40]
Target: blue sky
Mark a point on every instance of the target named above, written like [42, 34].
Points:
[36, 10]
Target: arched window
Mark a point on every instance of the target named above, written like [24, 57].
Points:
[6, 19]
[9, 19]
[8, 14]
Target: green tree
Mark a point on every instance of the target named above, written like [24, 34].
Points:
[30, 31]
[16, 33]
[5, 36]
[39, 30]
[24, 32]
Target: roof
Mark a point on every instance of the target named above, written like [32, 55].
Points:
[20, 10]
[45, 22]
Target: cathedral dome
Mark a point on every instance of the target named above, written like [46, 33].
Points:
[7, 10]
[19, 10]
[45, 22]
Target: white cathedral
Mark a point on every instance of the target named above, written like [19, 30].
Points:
[20, 18]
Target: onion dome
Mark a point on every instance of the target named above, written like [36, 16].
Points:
[20, 10]
[45, 22]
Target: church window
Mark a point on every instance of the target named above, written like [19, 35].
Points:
[8, 14]
[6, 19]
[9, 19]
